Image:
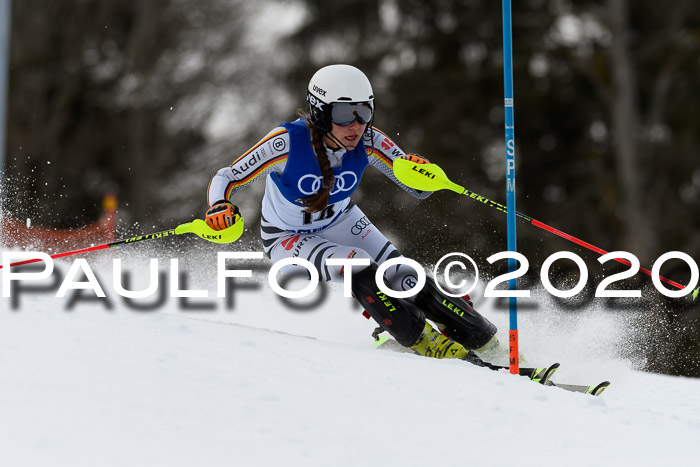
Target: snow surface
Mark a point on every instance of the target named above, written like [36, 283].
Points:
[260, 384]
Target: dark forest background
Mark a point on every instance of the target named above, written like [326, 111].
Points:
[147, 99]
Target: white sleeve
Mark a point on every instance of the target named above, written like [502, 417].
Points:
[382, 151]
[268, 155]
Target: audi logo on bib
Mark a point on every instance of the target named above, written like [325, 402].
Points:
[310, 184]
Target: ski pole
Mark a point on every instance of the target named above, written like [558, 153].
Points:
[197, 227]
[430, 177]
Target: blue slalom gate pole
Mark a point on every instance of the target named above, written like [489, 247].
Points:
[510, 180]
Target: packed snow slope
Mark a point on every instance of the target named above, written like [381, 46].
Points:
[253, 382]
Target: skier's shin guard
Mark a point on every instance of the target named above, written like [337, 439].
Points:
[458, 318]
[400, 318]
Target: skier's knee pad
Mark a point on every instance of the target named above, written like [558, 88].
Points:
[400, 318]
[461, 322]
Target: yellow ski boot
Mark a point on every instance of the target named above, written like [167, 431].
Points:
[432, 343]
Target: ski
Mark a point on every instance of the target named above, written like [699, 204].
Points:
[592, 390]
[539, 375]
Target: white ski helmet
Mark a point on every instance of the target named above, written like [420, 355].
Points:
[339, 84]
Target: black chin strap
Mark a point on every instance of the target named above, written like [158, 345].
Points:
[334, 138]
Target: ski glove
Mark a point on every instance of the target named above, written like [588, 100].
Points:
[415, 158]
[222, 215]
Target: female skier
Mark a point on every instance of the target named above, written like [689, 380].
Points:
[311, 167]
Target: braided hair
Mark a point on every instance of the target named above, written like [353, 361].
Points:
[319, 201]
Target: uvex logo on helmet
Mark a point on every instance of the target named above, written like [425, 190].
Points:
[319, 90]
[315, 103]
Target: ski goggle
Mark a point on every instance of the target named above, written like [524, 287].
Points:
[344, 113]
